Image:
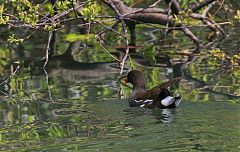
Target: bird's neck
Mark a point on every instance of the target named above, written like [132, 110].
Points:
[139, 84]
[139, 87]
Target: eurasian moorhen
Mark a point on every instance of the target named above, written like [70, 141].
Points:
[157, 97]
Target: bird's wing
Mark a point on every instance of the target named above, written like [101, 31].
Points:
[154, 92]
[169, 83]
[143, 95]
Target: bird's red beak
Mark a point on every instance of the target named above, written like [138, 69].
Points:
[125, 80]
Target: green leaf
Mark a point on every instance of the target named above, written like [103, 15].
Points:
[78, 37]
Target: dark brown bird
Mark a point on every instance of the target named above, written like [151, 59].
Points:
[157, 97]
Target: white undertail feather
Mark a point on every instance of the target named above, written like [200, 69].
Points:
[168, 101]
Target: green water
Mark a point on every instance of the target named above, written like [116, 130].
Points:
[88, 116]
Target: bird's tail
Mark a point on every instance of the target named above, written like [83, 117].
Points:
[170, 101]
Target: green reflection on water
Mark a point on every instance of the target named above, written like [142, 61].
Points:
[111, 124]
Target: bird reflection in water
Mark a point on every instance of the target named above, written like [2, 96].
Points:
[166, 115]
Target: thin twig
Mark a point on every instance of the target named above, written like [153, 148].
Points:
[106, 28]
[169, 14]
[120, 17]
[101, 44]
[141, 9]
[13, 74]
[48, 47]
[6, 81]
[48, 86]
[7, 95]
[68, 11]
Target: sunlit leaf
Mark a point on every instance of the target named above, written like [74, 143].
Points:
[78, 37]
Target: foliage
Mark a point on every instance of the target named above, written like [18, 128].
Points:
[3, 19]
[222, 56]
[237, 16]
[72, 37]
[63, 5]
[91, 11]
[14, 40]
[184, 3]
[26, 11]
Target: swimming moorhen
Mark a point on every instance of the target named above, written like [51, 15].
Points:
[157, 97]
